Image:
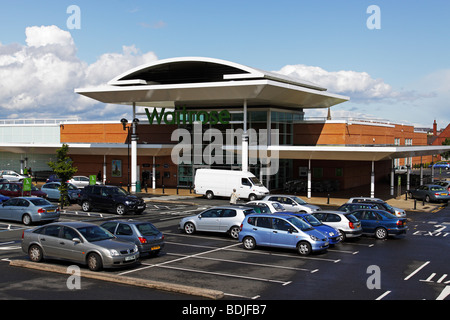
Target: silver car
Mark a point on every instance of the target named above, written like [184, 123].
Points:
[226, 219]
[293, 203]
[346, 223]
[29, 210]
[144, 234]
[79, 242]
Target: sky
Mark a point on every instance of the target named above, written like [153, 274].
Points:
[393, 62]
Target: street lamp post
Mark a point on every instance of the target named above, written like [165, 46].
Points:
[134, 139]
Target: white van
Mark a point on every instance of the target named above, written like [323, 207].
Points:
[213, 182]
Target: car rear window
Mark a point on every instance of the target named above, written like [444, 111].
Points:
[40, 202]
[351, 217]
[249, 211]
[147, 229]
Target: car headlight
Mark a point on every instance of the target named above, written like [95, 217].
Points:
[135, 248]
[314, 238]
[114, 252]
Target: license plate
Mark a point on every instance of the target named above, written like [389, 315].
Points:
[51, 210]
[130, 258]
[155, 248]
[140, 207]
[443, 194]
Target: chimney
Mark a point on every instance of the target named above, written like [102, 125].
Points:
[434, 128]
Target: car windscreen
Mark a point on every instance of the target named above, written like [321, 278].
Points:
[299, 223]
[255, 181]
[312, 220]
[95, 233]
[298, 200]
[278, 206]
[436, 188]
[147, 229]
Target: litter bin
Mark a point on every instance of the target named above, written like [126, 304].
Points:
[138, 186]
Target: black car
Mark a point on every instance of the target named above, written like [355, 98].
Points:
[110, 198]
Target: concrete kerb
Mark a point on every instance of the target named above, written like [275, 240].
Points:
[158, 285]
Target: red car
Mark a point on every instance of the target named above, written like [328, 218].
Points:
[14, 189]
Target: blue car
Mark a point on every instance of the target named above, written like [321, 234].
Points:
[333, 235]
[3, 198]
[52, 191]
[442, 164]
[380, 223]
[282, 231]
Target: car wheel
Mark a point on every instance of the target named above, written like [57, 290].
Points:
[427, 198]
[189, 228]
[234, 232]
[209, 195]
[304, 248]
[26, 219]
[343, 235]
[252, 197]
[381, 233]
[94, 262]
[35, 253]
[249, 243]
[85, 206]
[120, 209]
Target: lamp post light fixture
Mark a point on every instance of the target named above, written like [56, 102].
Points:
[134, 139]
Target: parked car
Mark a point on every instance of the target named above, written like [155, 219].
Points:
[3, 198]
[333, 235]
[346, 223]
[53, 178]
[430, 192]
[272, 206]
[29, 210]
[257, 208]
[441, 164]
[145, 235]
[217, 219]
[293, 203]
[350, 207]
[80, 181]
[383, 205]
[14, 189]
[283, 231]
[79, 242]
[110, 198]
[445, 184]
[11, 175]
[52, 191]
[380, 223]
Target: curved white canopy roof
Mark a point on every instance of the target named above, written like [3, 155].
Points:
[199, 82]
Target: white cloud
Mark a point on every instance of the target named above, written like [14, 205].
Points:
[359, 86]
[38, 79]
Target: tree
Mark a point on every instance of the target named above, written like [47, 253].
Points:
[63, 168]
[446, 154]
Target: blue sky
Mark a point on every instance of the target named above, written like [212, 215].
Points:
[405, 63]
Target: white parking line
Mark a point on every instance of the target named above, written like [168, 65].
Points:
[247, 263]
[215, 273]
[417, 270]
[179, 259]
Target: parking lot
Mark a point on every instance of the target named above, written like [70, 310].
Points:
[410, 266]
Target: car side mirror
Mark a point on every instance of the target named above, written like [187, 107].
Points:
[76, 240]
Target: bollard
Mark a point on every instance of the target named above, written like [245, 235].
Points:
[163, 188]
[328, 199]
[415, 204]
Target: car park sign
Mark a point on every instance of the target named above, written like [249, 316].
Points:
[26, 184]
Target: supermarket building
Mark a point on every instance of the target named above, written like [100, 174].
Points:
[178, 94]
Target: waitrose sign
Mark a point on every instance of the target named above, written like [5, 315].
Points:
[182, 116]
